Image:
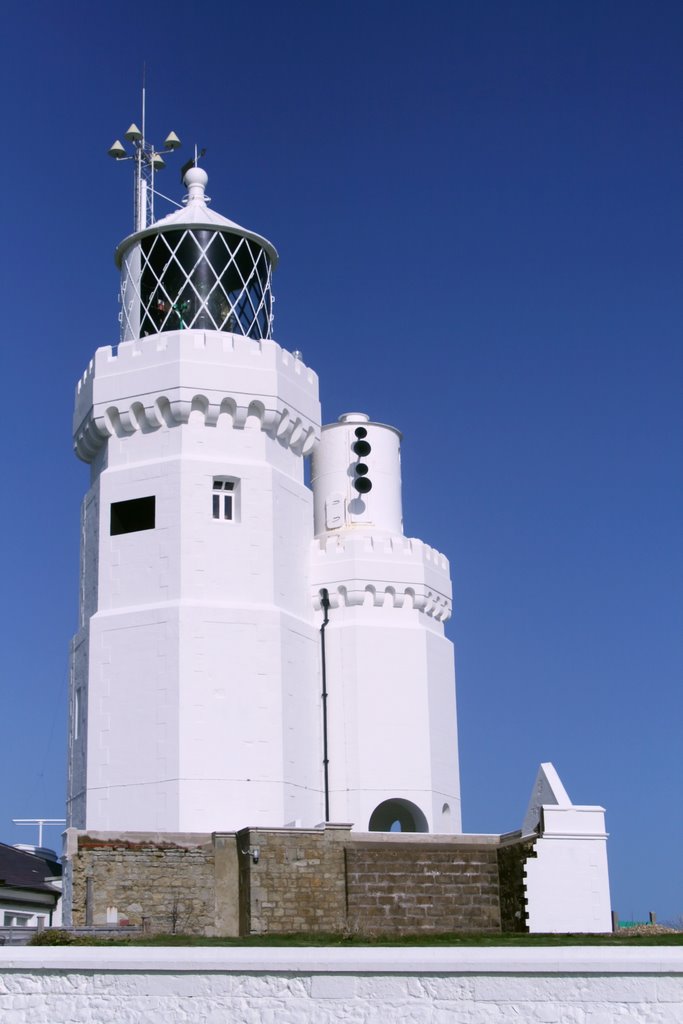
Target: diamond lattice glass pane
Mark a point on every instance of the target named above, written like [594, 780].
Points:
[162, 283]
[212, 280]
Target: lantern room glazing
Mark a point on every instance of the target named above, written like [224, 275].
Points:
[196, 269]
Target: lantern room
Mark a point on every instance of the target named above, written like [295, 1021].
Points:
[196, 269]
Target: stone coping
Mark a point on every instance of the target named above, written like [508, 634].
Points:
[547, 960]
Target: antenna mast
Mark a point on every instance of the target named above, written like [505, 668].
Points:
[39, 822]
[148, 160]
[143, 215]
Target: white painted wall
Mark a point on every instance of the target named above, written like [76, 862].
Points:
[195, 695]
[390, 672]
[337, 502]
[567, 882]
[194, 669]
[565, 985]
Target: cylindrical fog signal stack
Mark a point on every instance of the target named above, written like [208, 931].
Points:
[390, 678]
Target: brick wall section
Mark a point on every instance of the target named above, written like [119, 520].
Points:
[513, 854]
[298, 883]
[162, 884]
[402, 889]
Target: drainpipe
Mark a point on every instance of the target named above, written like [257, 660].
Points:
[325, 605]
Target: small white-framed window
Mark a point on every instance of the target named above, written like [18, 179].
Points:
[13, 920]
[224, 498]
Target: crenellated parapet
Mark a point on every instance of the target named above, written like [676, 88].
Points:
[161, 380]
[381, 570]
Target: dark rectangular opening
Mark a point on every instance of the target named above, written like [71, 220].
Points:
[132, 516]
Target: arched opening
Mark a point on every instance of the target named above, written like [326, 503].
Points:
[397, 815]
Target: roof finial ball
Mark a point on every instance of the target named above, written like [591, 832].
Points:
[195, 180]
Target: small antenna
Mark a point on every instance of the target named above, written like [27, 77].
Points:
[144, 75]
[148, 160]
[39, 822]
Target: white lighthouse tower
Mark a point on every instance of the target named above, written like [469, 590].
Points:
[243, 658]
[195, 665]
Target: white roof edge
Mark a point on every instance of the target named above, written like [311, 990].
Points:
[593, 808]
[363, 423]
[212, 222]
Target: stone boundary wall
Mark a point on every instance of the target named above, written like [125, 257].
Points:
[283, 881]
[176, 882]
[164, 886]
[565, 985]
[332, 880]
[296, 885]
[373, 883]
[406, 888]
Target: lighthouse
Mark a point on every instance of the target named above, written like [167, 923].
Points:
[251, 651]
[262, 728]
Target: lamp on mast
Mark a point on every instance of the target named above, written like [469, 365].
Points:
[148, 160]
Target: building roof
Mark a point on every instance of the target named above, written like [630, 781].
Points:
[196, 214]
[23, 870]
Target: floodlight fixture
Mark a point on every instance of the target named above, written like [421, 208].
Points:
[148, 160]
[117, 151]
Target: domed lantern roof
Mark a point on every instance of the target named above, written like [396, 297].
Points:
[196, 269]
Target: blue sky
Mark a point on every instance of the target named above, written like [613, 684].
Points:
[478, 213]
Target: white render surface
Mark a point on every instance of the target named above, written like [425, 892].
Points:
[559, 985]
[195, 667]
[161, 380]
[567, 882]
[390, 668]
[391, 716]
[337, 503]
[196, 684]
